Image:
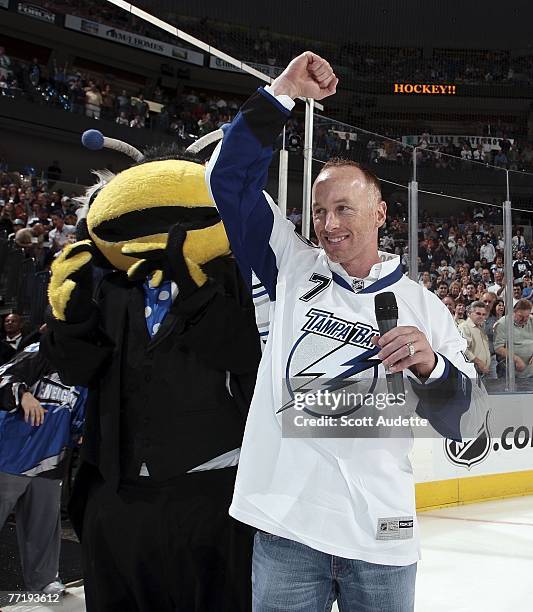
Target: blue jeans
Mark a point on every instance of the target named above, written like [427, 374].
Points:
[290, 577]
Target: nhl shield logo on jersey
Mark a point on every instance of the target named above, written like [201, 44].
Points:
[331, 355]
[471, 452]
[358, 285]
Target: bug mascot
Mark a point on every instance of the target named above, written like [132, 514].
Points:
[167, 345]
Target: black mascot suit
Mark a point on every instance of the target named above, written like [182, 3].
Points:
[168, 347]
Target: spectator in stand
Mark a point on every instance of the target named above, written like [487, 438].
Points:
[93, 101]
[108, 103]
[347, 148]
[523, 340]
[475, 272]
[445, 270]
[77, 97]
[505, 145]
[470, 293]
[122, 119]
[295, 217]
[478, 154]
[517, 292]
[480, 289]
[518, 241]
[66, 205]
[459, 313]
[487, 250]
[124, 104]
[141, 108]
[461, 252]
[427, 255]
[488, 299]
[514, 158]
[192, 98]
[137, 122]
[521, 266]
[496, 312]
[6, 220]
[59, 77]
[5, 65]
[41, 217]
[157, 95]
[455, 290]
[31, 239]
[449, 302]
[23, 237]
[12, 335]
[161, 121]
[442, 289]
[54, 202]
[71, 218]
[478, 213]
[387, 242]
[487, 152]
[501, 160]
[527, 287]
[472, 329]
[466, 155]
[21, 209]
[497, 287]
[18, 224]
[61, 234]
[42, 419]
[34, 72]
[424, 278]
[486, 277]
[205, 125]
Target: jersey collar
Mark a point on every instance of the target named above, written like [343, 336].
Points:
[387, 272]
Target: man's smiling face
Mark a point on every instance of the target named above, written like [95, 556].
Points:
[347, 213]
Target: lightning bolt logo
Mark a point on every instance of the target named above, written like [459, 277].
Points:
[316, 378]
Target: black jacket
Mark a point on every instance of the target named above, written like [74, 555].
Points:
[174, 401]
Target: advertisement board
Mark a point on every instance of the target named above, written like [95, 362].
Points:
[136, 41]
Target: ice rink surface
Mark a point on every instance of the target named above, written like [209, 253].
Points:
[475, 558]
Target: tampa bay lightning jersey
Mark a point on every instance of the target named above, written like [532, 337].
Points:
[347, 496]
[38, 450]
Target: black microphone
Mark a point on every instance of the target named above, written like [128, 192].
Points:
[387, 317]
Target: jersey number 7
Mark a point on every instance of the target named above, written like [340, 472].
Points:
[321, 281]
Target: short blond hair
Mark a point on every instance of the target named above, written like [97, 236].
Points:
[372, 181]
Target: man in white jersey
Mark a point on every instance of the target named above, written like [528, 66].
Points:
[335, 515]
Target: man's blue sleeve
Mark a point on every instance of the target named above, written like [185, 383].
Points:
[237, 175]
[444, 401]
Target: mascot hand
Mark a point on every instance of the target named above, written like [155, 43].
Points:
[168, 261]
[71, 283]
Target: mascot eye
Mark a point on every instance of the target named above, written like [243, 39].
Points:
[157, 220]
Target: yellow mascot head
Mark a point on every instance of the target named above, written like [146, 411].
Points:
[139, 205]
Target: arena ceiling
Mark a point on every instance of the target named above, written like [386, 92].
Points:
[467, 23]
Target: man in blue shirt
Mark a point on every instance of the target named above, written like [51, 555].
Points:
[41, 419]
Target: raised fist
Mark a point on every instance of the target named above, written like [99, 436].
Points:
[307, 76]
